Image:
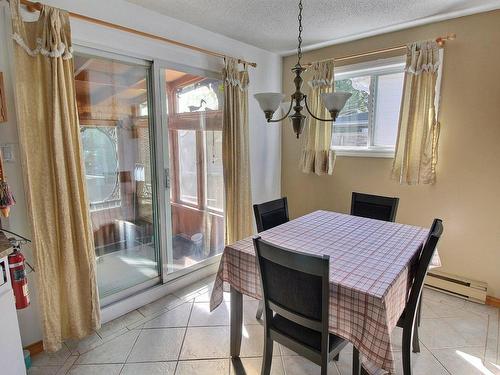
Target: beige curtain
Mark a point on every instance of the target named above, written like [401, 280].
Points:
[54, 176]
[235, 154]
[317, 155]
[417, 143]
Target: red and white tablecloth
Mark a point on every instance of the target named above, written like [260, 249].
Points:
[371, 265]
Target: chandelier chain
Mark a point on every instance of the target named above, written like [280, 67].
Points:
[299, 48]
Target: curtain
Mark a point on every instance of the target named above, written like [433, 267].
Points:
[317, 155]
[54, 176]
[238, 219]
[416, 147]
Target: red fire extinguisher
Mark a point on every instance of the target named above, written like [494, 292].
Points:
[18, 278]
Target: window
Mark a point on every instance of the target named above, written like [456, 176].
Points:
[194, 107]
[213, 167]
[188, 171]
[368, 124]
[100, 155]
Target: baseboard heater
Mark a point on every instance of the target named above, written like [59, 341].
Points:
[458, 286]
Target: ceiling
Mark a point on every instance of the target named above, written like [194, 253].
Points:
[272, 24]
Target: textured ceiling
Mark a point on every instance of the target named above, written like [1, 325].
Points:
[272, 24]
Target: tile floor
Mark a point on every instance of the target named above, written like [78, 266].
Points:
[178, 335]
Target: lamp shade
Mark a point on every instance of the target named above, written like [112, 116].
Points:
[335, 101]
[269, 101]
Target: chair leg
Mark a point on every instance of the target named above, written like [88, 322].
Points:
[406, 346]
[416, 343]
[267, 356]
[324, 365]
[260, 310]
[419, 310]
[356, 364]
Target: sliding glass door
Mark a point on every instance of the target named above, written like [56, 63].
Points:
[152, 143]
[114, 101]
[191, 119]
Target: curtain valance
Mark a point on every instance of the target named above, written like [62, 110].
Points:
[49, 36]
[322, 74]
[422, 57]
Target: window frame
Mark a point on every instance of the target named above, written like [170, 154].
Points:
[183, 118]
[373, 68]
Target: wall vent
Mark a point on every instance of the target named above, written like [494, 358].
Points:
[457, 286]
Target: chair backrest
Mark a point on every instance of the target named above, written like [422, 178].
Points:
[426, 255]
[294, 285]
[374, 206]
[271, 214]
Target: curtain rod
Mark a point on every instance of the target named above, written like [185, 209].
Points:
[440, 41]
[36, 6]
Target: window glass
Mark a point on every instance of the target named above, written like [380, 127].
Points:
[351, 127]
[213, 161]
[195, 152]
[112, 100]
[205, 95]
[370, 117]
[389, 92]
[101, 163]
[188, 176]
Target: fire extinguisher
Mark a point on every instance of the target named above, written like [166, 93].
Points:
[19, 279]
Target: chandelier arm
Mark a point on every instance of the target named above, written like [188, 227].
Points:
[285, 116]
[317, 118]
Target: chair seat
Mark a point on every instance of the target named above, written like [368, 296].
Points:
[302, 334]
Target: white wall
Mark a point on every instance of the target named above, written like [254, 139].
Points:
[265, 140]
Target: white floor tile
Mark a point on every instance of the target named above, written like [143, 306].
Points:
[154, 368]
[202, 317]
[43, 370]
[51, 359]
[438, 334]
[165, 303]
[423, 363]
[95, 370]
[252, 343]
[177, 317]
[157, 345]
[86, 344]
[206, 343]
[115, 325]
[297, 365]
[252, 366]
[464, 361]
[249, 311]
[203, 367]
[114, 351]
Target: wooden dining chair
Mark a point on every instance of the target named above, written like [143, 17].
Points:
[269, 215]
[374, 206]
[409, 317]
[296, 293]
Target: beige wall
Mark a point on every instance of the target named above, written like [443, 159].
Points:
[467, 192]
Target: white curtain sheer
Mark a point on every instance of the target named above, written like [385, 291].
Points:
[417, 143]
[317, 155]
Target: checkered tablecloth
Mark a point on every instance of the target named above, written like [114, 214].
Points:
[371, 265]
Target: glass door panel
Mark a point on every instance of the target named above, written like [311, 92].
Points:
[193, 103]
[114, 101]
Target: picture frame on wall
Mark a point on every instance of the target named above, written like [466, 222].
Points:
[3, 105]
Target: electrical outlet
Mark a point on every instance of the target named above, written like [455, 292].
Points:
[7, 153]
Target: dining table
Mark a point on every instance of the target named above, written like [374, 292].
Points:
[372, 263]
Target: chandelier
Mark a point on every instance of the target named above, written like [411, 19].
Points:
[270, 101]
